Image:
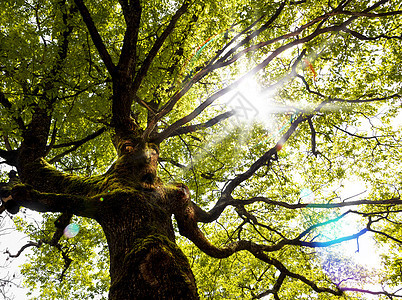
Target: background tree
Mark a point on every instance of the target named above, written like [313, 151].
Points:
[82, 82]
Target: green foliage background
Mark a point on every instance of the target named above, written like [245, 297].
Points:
[348, 68]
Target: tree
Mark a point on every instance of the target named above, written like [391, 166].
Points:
[78, 77]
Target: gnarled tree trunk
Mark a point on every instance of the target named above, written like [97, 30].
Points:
[135, 214]
[134, 209]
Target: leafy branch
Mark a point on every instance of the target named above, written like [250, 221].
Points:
[75, 144]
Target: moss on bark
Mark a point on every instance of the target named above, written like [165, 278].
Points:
[134, 209]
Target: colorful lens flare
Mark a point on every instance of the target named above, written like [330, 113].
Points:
[307, 195]
[71, 230]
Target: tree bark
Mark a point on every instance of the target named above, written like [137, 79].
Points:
[134, 209]
[145, 262]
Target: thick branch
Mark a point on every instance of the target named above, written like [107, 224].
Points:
[76, 144]
[210, 123]
[123, 94]
[369, 38]
[188, 228]
[8, 105]
[132, 14]
[82, 141]
[26, 196]
[158, 44]
[263, 160]
[36, 134]
[45, 178]
[313, 139]
[255, 33]
[35, 138]
[392, 201]
[10, 157]
[96, 38]
[187, 215]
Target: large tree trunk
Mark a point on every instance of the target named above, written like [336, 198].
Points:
[145, 262]
[135, 212]
[134, 209]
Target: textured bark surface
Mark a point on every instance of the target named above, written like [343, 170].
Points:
[135, 211]
[145, 262]
[135, 214]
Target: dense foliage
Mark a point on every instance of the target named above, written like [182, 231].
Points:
[323, 79]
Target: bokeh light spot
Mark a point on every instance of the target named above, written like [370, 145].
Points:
[71, 230]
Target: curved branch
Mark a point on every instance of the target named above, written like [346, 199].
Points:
[335, 99]
[75, 144]
[29, 244]
[358, 136]
[380, 232]
[187, 214]
[273, 261]
[263, 160]
[275, 288]
[54, 242]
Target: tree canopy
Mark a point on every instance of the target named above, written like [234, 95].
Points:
[274, 199]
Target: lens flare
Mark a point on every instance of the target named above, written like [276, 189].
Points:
[307, 195]
[71, 230]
